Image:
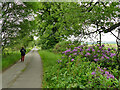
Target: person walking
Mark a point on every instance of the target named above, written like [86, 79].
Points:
[22, 54]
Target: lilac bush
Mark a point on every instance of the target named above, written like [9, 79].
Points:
[82, 62]
[103, 72]
[94, 53]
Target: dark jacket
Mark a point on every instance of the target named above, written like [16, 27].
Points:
[22, 51]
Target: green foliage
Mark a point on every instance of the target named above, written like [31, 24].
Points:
[63, 45]
[77, 75]
[54, 21]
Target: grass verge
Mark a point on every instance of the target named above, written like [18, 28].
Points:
[11, 59]
[49, 59]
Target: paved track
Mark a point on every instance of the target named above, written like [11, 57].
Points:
[26, 74]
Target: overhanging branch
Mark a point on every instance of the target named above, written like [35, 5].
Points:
[112, 28]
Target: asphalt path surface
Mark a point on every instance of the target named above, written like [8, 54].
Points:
[27, 74]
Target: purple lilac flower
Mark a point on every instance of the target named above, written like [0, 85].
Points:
[75, 47]
[89, 82]
[99, 67]
[111, 76]
[114, 49]
[74, 53]
[79, 46]
[74, 50]
[69, 50]
[107, 52]
[87, 54]
[100, 47]
[98, 51]
[93, 73]
[112, 54]
[103, 45]
[101, 70]
[81, 53]
[93, 50]
[109, 49]
[96, 59]
[107, 57]
[108, 77]
[59, 61]
[72, 59]
[87, 49]
[104, 68]
[69, 44]
[95, 55]
[90, 47]
[103, 51]
[81, 50]
[102, 57]
[70, 56]
[106, 72]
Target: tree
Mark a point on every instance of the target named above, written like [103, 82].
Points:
[16, 23]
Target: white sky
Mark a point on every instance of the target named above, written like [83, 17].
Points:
[35, 38]
[107, 37]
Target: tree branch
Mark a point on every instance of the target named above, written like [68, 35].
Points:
[112, 28]
[93, 6]
[115, 36]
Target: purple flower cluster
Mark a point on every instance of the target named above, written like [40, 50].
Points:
[112, 54]
[72, 60]
[103, 72]
[87, 54]
[93, 53]
[59, 61]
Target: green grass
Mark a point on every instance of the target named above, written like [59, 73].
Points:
[48, 59]
[11, 58]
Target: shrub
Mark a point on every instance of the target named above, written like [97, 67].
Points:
[62, 46]
[99, 54]
[84, 67]
[79, 75]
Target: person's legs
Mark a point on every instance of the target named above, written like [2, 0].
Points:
[23, 58]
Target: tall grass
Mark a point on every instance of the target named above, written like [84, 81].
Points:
[48, 59]
[11, 58]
